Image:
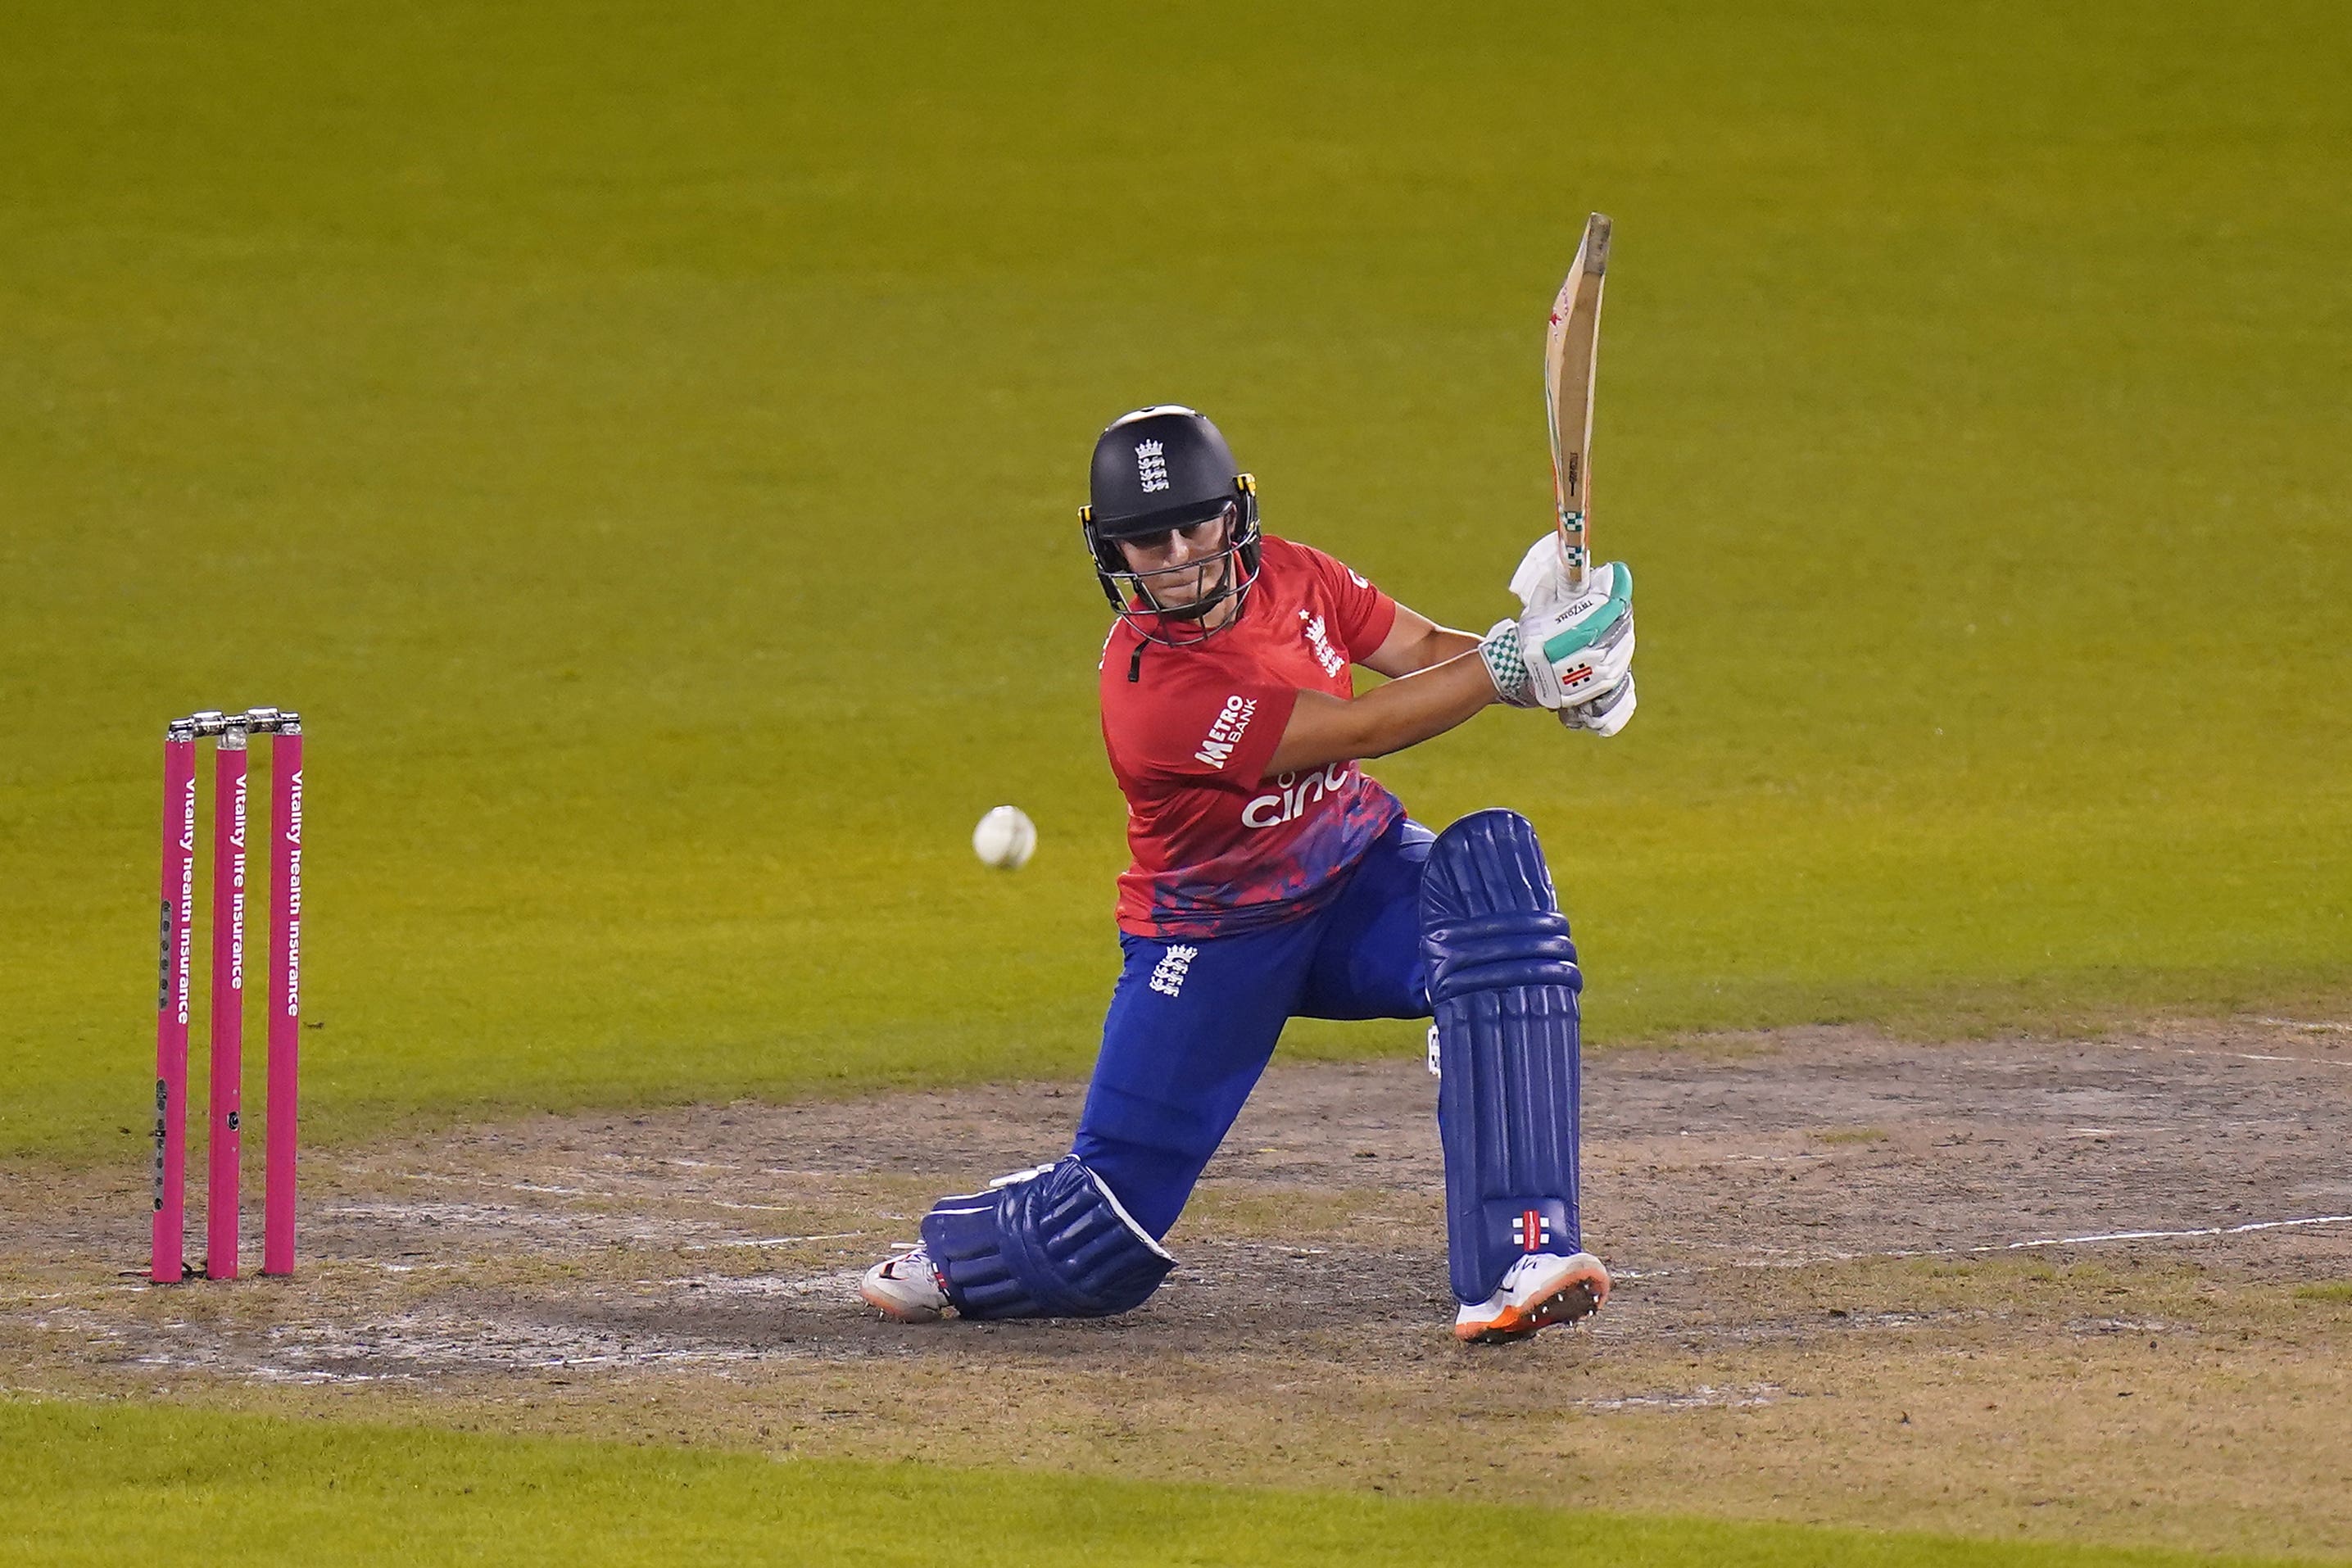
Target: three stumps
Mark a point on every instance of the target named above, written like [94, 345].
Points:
[232, 882]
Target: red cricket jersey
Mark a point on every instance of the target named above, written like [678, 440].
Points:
[1219, 848]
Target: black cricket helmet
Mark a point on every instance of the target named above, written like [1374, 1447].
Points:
[1156, 471]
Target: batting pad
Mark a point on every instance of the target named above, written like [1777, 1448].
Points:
[1048, 1243]
[1504, 984]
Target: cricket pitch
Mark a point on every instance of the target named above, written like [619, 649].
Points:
[2087, 1290]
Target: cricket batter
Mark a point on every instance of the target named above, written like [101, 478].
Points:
[1273, 879]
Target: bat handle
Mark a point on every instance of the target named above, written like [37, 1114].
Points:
[1574, 556]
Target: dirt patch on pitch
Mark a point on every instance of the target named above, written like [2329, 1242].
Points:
[1996, 1285]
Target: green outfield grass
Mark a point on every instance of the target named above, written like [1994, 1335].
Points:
[103, 1484]
[644, 443]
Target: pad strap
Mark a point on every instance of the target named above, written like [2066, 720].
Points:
[1053, 1242]
[1487, 952]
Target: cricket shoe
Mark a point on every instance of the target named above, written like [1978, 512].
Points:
[1540, 1289]
[905, 1287]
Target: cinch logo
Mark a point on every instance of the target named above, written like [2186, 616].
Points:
[1325, 654]
[1168, 979]
[1297, 794]
[1226, 731]
[1150, 467]
[1530, 1230]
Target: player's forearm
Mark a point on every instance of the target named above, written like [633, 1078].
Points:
[1440, 644]
[1427, 702]
[1409, 710]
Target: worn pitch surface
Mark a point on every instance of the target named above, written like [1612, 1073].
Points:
[1859, 1279]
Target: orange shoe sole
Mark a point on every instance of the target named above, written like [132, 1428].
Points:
[895, 1312]
[1576, 1298]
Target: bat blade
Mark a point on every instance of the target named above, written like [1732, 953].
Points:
[1572, 354]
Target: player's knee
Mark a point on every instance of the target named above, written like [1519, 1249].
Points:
[1053, 1242]
[1489, 920]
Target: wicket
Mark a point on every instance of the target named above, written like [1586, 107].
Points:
[224, 1146]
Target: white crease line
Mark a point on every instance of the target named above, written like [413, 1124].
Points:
[2239, 1055]
[2247, 1228]
[1706, 1396]
[463, 1215]
[719, 1285]
[592, 1192]
[772, 1241]
[2300, 1024]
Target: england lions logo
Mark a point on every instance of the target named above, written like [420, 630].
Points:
[1150, 466]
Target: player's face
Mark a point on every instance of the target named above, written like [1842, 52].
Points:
[1182, 566]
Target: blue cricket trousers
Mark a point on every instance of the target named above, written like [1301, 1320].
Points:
[1193, 1023]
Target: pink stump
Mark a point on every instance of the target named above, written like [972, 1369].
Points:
[285, 993]
[224, 1145]
[172, 1001]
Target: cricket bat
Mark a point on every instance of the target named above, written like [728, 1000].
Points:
[1571, 351]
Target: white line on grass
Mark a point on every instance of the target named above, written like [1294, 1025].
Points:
[2214, 1230]
[769, 1241]
[649, 1197]
[2242, 1056]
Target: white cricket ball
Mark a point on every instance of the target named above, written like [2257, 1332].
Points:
[1006, 838]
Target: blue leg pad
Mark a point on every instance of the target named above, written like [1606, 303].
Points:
[1048, 1243]
[1504, 984]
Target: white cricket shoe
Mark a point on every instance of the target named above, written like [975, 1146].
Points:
[905, 1287]
[1540, 1289]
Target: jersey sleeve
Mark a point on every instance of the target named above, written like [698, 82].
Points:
[1364, 615]
[1198, 727]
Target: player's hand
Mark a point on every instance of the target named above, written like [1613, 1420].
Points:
[1605, 714]
[1580, 650]
[1541, 580]
[1507, 663]
[1568, 652]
